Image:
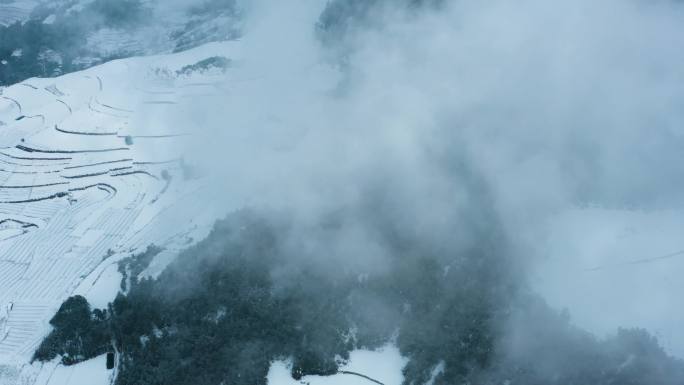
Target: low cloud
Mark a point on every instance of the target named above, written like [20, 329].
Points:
[457, 126]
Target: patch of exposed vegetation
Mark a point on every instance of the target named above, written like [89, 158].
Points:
[218, 63]
[79, 333]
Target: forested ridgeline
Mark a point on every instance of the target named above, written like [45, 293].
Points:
[240, 299]
[62, 36]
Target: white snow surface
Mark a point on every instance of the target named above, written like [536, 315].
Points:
[383, 365]
[14, 11]
[91, 372]
[76, 195]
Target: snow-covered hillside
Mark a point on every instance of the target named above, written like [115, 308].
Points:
[47, 38]
[13, 11]
[420, 181]
[87, 177]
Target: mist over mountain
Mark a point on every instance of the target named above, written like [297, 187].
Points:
[263, 192]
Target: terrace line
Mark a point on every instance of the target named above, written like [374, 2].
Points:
[36, 185]
[84, 132]
[29, 149]
[85, 175]
[135, 172]
[22, 223]
[60, 194]
[98, 164]
[24, 158]
[101, 186]
[34, 165]
[111, 107]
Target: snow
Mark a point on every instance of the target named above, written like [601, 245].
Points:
[436, 371]
[383, 365]
[159, 263]
[91, 372]
[590, 269]
[90, 198]
[16, 11]
[101, 290]
[50, 19]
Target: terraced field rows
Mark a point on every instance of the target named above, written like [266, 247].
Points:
[79, 188]
[13, 11]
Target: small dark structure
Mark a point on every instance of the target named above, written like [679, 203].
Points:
[129, 140]
[110, 360]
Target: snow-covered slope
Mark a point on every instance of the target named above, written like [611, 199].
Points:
[53, 37]
[13, 11]
[364, 368]
[88, 176]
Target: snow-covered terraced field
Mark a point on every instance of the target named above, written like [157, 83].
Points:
[86, 178]
[13, 11]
